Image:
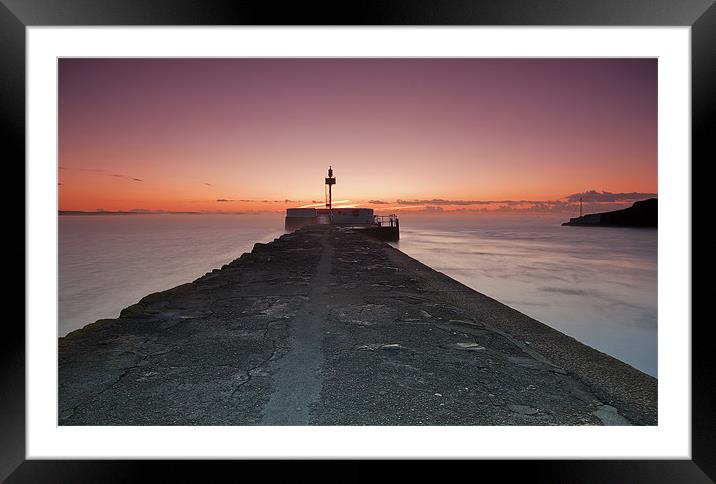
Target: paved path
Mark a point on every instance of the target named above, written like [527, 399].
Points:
[296, 376]
[327, 327]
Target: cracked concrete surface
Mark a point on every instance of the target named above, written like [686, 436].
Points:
[297, 380]
[327, 327]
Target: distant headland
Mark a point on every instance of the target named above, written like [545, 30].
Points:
[641, 214]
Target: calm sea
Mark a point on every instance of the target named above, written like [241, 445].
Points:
[598, 285]
[109, 262]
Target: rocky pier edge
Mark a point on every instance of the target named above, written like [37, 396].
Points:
[325, 326]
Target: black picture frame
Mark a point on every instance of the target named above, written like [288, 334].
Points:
[16, 15]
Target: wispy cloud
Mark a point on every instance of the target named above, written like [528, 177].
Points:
[101, 170]
[130, 178]
[403, 207]
[321, 204]
[595, 196]
[247, 200]
[593, 201]
[144, 210]
[433, 208]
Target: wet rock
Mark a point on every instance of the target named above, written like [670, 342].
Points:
[391, 347]
[469, 346]
[380, 346]
[610, 416]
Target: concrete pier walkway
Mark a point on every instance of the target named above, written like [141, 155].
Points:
[325, 326]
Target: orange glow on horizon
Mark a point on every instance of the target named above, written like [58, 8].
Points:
[257, 135]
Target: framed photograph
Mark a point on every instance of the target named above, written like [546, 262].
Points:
[489, 273]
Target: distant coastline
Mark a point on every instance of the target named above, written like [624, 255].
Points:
[143, 212]
[642, 214]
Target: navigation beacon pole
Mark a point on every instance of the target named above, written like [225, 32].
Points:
[330, 181]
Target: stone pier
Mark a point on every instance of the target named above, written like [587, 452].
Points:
[326, 326]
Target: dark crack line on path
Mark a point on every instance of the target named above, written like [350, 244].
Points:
[125, 372]
[249, 376]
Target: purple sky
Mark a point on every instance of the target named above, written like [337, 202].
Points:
[179, 134]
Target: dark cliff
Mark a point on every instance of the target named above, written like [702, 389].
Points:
[641, 214]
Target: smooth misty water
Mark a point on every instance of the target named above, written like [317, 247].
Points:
[109, 262]
[598, 285]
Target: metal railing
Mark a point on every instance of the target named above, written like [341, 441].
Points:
[385, 220]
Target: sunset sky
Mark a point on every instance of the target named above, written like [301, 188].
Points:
[431, 134]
